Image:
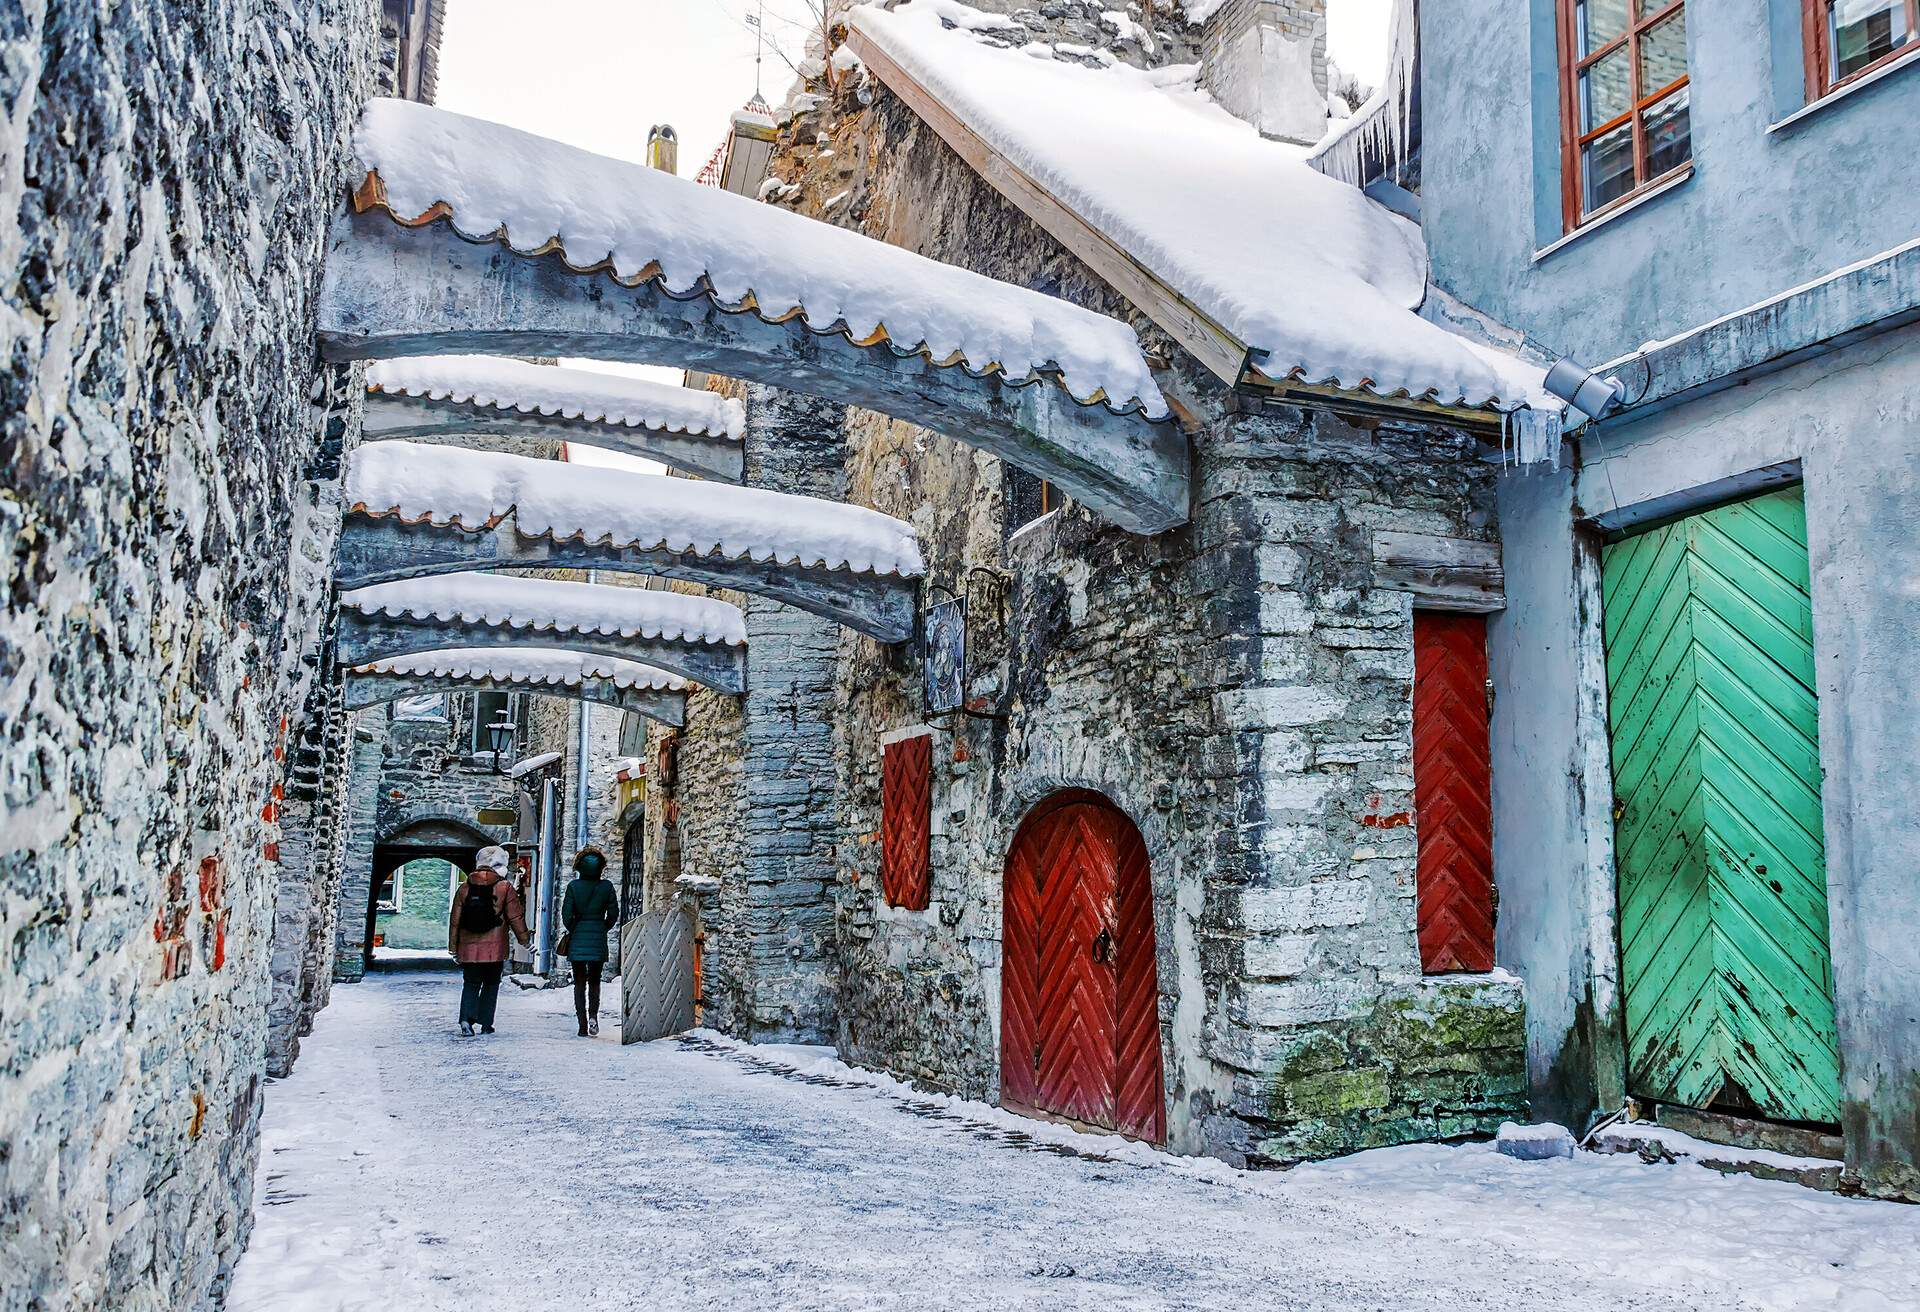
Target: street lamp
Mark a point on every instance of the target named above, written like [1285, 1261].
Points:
[499, 735]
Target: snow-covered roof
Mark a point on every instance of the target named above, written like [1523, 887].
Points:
[1318, 281]
[570, 393]
[492, 182]
[522, 602]
[531, 665]
[551, 498]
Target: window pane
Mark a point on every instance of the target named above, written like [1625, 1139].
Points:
[487, 707]
[1865, 30]
[1603, 91]
[1600, 22]
[1669, 134]
[1663, 54]
[1607, 167]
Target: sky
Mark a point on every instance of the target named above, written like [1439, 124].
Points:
[599, 74]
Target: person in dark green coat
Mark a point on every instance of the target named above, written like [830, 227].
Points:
[589, 911]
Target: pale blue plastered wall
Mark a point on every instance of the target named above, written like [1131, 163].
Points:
[1763, 213]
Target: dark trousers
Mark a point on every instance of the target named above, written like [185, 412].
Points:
[481, 991]
[586, 989]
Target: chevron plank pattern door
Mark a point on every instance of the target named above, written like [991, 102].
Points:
[1718, 835]
[657, 975]
[906, 815]
[1080, 1025]
[1452, 792]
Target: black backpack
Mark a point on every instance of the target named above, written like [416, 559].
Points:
[478, 915]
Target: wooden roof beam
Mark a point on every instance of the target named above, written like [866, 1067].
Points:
[423, 419]
[364, 639]
[393, 291]
[372, 689]
[378, 549]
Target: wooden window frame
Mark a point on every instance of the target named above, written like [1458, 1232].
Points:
[1572, 140]
[1816, 30]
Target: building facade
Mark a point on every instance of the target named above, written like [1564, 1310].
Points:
[1702, 835]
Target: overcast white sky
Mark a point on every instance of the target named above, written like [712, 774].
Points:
[599, 74]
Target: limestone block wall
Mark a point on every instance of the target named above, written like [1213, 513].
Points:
[748, 817]
[1237, 687]
[166, 176]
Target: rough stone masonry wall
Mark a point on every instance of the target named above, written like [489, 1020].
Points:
[1236, 687]
[752, 830]
[167, 174]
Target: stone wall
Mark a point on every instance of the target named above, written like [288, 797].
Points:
[167, 174]
[1237, 687]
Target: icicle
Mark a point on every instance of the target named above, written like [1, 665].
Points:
[1380, 128]
[1532, 437]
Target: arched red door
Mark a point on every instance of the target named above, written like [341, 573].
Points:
[1079, 1014]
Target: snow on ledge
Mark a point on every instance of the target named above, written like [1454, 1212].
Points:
[535, 195]
[534, 665]
[1629, 1135]
[506, 384]
[475, 490]
[530, 764]
[522, 602]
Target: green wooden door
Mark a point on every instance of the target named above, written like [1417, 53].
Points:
[1716, 776]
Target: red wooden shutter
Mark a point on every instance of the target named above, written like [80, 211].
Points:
[906, 802]
[1452, 792]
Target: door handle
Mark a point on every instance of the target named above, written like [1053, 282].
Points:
[1103, 947]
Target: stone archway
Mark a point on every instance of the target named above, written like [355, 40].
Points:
[417, 838]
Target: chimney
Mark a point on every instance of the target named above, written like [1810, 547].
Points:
[663, 148]
[1266, 61]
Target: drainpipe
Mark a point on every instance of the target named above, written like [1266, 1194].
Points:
[580, 838]
[543, 920]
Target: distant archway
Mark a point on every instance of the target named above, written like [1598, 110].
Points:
[443, 837]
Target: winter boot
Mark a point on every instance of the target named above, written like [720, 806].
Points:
[593, 1026]
[466, 1028]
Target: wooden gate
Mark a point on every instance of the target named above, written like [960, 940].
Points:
[657, 975]
[1080, 1026]
[1452, 792]
[1718, 836]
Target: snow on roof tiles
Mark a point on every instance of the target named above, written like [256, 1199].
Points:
[492, 182]
[535, 665]
[551, 498]
[1319, 281]
[508, 384]
[522, 602]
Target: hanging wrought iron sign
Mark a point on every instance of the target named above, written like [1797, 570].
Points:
[944, 657]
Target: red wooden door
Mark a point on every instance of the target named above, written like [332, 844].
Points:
[1452, 792]
[1080, 1027]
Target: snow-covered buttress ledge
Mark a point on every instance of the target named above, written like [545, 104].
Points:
[506, 384]
[550, 498]
[521, 602]
[536, 195]
[1318, 281]
[532, 665]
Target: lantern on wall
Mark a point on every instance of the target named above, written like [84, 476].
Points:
[500, 737]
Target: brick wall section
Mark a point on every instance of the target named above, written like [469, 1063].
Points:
[1237, 687]
[166, 177]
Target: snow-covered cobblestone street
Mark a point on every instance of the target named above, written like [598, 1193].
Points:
[407, 1167]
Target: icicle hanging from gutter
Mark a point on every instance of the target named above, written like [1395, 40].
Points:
[1532, 437]
[1380, 129]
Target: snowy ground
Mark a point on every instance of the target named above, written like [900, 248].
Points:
[408, 1167]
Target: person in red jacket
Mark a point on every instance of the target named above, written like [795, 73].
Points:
[484, 908]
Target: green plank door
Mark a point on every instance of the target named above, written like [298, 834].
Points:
[1716, 775]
